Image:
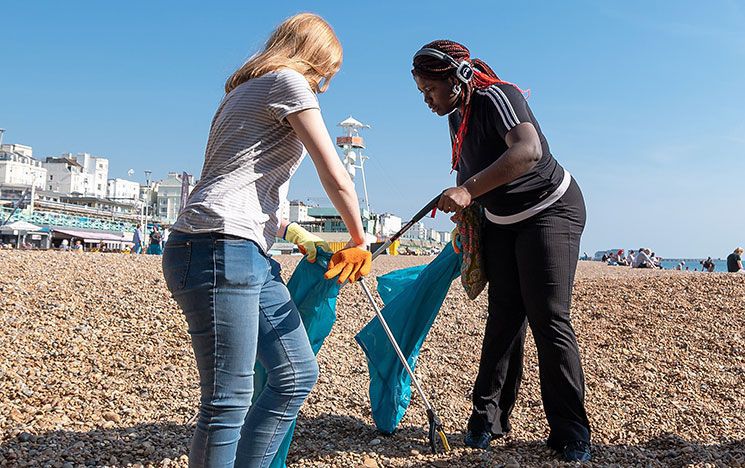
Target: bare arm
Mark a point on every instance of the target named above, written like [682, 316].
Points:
[523, 152]
[282, 227]
[309, 126]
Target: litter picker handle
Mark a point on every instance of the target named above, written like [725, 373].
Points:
[417, 217]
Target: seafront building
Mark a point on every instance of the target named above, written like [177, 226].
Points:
[80, 174]
[121, 189]
[168, 193]
[71, 196]
[298, 212]
[389, 224]
[65, 176]
[417, 232]
[19, 168]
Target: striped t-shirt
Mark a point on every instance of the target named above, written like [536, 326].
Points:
[251, 155]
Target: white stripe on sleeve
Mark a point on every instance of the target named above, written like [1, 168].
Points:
[507, 123]
[507, 103]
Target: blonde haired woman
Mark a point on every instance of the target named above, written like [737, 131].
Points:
[216, 264]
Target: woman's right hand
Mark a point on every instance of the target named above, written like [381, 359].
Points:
[454, 199]
[351, 263]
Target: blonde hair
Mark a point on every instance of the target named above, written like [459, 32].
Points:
[739, 250]
[305, 43]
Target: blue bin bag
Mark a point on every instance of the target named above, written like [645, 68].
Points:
[412, 297]
[315, 298]
[393, 283]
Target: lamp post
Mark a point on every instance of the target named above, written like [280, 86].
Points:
[145, 232]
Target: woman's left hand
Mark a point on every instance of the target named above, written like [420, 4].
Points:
[454, 199]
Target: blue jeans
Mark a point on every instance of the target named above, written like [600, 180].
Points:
[239, 310]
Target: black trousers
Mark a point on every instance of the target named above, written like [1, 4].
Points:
[530, 266]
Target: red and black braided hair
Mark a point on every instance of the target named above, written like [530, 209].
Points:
[433, 68]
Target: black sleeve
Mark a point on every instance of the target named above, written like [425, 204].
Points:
[508, 107]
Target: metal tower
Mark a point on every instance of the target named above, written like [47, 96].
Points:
[352, 144]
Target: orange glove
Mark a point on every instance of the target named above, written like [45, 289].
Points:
[350, 264]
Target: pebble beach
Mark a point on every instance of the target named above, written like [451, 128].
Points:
[96, 369]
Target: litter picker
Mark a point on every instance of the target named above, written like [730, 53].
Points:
[435, 425]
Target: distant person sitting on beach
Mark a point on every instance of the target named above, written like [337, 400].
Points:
[630, 258]
[77, 247]
[64, 245]
[734, 261]
[612, 259]
[643, 259]
[216, 262]
[681, 265]
[621, 258]
[534, 217]
[656, 261]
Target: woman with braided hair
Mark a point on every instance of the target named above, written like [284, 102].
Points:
[534, 215]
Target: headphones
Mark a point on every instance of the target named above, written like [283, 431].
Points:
[463, 70]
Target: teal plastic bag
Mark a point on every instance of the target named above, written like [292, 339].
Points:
[412, 297]
[391, 284]
[315, 298]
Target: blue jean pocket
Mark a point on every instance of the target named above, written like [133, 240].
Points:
[243, 263]
[176, 263]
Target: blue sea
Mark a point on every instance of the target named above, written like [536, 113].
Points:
[693, 264]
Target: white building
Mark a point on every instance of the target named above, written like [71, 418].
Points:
[123, 190]
[20, 149]
[284, 209]
[389, 224]
[298, 212]
[438, 236]
[78, 174]
[168, 196]
[417, 232]
[19, 167]
[96, 170]
[65, 176]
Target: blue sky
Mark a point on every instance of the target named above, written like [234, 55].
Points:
[642, 101]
